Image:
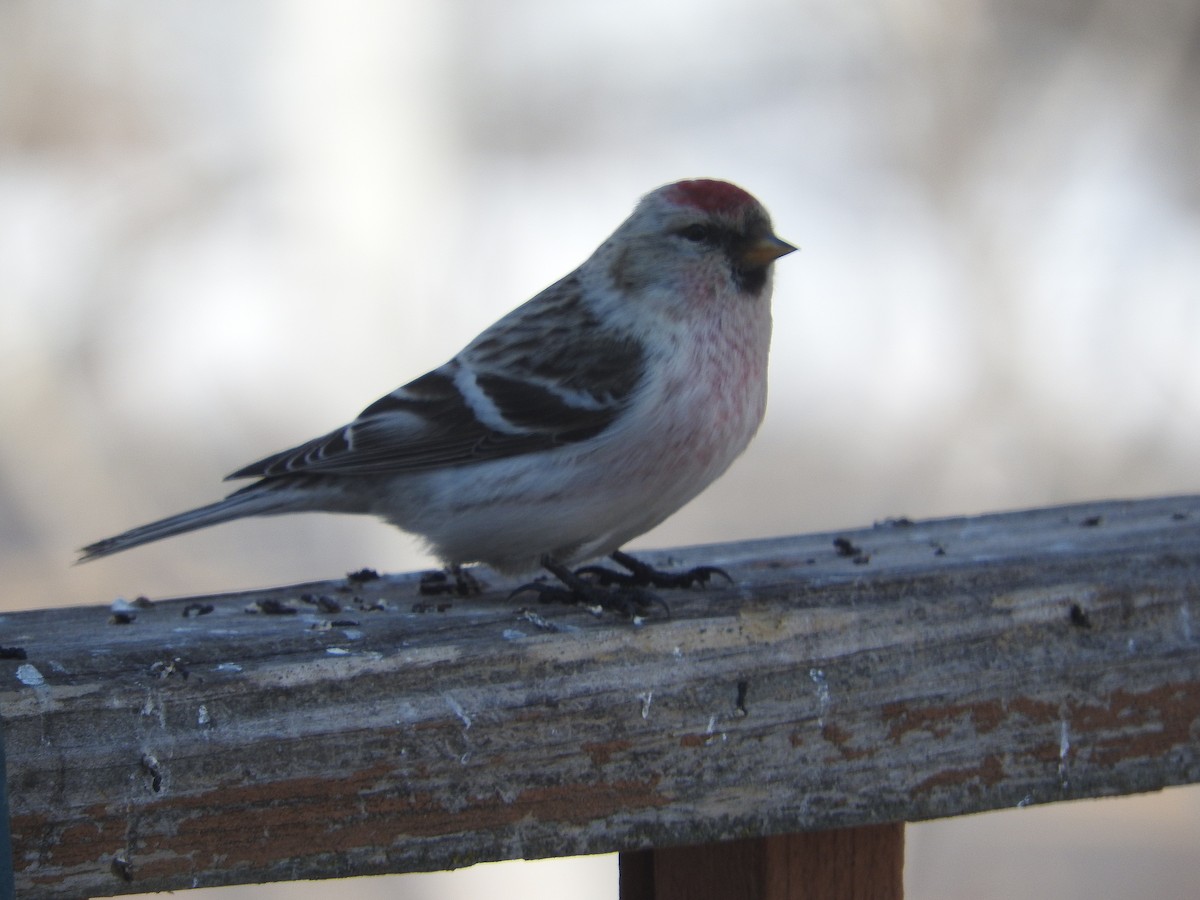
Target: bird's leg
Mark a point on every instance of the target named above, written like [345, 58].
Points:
[640, 574]
[627, 599]
[451, 580]
[465, 582]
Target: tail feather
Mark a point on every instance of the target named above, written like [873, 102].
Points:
[236, 506]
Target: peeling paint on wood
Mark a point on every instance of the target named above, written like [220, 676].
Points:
[967, 664]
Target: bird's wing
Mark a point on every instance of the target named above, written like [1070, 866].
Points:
[519, 387]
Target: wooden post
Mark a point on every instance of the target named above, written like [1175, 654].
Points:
[378, 725]
[7, 876]
[865, 863]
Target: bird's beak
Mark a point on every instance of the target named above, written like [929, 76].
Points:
[766, 251]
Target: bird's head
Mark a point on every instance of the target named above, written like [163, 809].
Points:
[697, 235]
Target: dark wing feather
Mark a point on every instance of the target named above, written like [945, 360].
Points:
[538, 389]
[425, 425]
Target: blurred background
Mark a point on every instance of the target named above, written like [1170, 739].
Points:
[227, 227]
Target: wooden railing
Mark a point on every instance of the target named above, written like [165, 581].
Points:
[843, 682]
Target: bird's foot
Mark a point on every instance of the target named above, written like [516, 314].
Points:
[451, 580]
[640, 574]
[627, 599]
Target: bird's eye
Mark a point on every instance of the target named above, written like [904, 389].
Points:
[697, 233]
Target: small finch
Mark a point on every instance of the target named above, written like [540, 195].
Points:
[575, 423]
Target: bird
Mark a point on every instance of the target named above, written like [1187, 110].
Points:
[578, 421]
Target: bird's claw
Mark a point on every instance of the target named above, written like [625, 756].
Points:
[630, 600]
[641, 574]
[624, 593]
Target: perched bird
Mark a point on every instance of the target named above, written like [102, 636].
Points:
[575, 423]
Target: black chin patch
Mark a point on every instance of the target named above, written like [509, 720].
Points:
[750, 280]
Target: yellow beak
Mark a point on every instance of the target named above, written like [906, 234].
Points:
[766, 252]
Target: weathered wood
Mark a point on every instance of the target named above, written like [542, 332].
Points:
[910, 671]
[864, 863]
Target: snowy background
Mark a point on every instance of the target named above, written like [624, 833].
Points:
[227, 227]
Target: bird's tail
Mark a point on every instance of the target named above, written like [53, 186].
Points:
[243, 503]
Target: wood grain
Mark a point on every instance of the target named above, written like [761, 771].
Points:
[893, 673]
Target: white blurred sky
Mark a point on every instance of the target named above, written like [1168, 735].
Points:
[227, 227]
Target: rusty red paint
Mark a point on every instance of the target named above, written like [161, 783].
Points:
[257, 825]
[1130, 724]
[988, 773]
[840, 738]
[602, 752]
[983, 717]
